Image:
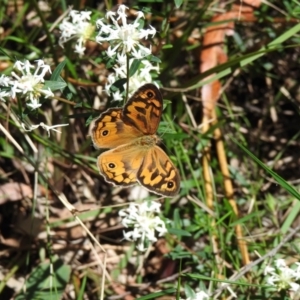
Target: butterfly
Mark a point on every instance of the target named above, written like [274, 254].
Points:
[130, 133]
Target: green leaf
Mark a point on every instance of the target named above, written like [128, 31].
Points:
[290, 189]
[167, 46]
[55, 85]
[179, 232]
[47, 281]
[4, 53]
[57, 71]
[178, 3]
[157, 295]
[134, 67]
[119, 85]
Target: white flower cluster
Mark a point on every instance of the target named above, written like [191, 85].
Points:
[141, 76]
[124, 41]
[282, 277]
[124, 37]
[76, 25]
[124, 44]
[141, 218]
[28, 84]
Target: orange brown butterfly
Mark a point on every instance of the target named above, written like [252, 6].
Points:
[130, 133]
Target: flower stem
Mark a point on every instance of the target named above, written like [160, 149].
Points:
[127, 80]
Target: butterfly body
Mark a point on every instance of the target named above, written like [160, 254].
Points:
[130, 133]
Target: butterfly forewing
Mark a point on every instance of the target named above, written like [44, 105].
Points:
[110, 131]
[143, 110]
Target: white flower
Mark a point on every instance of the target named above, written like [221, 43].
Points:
[121, 59]
[47, 93]
[294, 287]
[34, 104]
[280, 263]
[111, 51]
[117, 96]
[43, 68]
[140, 77]
[79, 48]
[141, 52]
[44, 126]
[76, 25]
[124, 37]
[269, 270]
[4, 80]
[26, 83]
[297, 271]
[138, 192]
[3, 95]
[140, 218]
[141, 247]
[282, 277]
[272, 279]
[14, 90]
[110, 15]
[111, 79]
[199, 296]
[121, 71]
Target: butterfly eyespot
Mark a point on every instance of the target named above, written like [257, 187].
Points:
[104, 132]
[111, 165]
[170, 184]
[150, 94]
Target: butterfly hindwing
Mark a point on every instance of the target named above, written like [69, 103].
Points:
[158, 173]
[120, 165]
